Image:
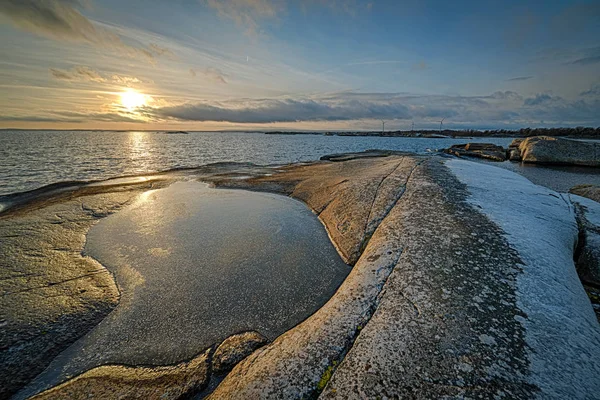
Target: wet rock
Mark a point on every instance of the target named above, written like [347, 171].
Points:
[51, 294]
[122, 382]
[551, 150]
[487, 151]
[589, 191]
[234, 349]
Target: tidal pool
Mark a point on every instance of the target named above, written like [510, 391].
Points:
[195, 265]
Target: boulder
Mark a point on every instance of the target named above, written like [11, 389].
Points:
[514, 154]
[487, 151]
[515, 144]
[551, 150]
[589, 191]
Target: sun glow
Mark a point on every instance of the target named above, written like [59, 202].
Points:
[130, 99]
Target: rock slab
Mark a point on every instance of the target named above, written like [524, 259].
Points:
[551, 150]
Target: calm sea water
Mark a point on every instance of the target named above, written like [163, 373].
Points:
[31, 159]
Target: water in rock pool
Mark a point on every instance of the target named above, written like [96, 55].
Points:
[195, 265]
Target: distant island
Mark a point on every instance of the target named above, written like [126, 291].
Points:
[578, 132]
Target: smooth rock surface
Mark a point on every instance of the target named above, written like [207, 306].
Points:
[551, 150]
[561, 331]
[445, 324]
[464, 286]
[434, 307]
[50, 293]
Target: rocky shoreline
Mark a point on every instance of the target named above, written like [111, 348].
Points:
[535, 150]
[446, 296]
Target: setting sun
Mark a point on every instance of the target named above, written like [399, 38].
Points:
[130, 99]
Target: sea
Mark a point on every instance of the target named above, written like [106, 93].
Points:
[33, 159]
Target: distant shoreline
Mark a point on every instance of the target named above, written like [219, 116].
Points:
[584, 133]
[579, 132]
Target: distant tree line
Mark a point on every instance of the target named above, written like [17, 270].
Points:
[578, 132]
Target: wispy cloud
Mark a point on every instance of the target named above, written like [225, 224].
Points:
[376, 62]
[72, 117]
[62, 20]
[520, 78]
[213, 74]
[247, 14]
[87, 74]
[250, 14]
[587, 60]
[421, 66]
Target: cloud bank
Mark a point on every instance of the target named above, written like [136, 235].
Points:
[500, 109]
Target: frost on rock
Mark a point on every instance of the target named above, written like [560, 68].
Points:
[562, 332]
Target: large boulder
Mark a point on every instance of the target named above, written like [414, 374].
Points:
[551, 150]
[487, 151]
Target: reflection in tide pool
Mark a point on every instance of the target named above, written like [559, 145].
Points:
[195, 265]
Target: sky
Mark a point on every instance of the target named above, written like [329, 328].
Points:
[298, 64]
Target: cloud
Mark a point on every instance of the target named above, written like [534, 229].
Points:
[62, 20]
[587, 60]
[497, 109]
[421, 66]
[87, 74]
[540, 98]
[520, 78]
[160, 51]
[282, 110]
[80, 73]
[71, 117]
[247, 13]
[213, 74]
[594, 91]
[250, 14]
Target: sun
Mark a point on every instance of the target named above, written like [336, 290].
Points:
[130, 99]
